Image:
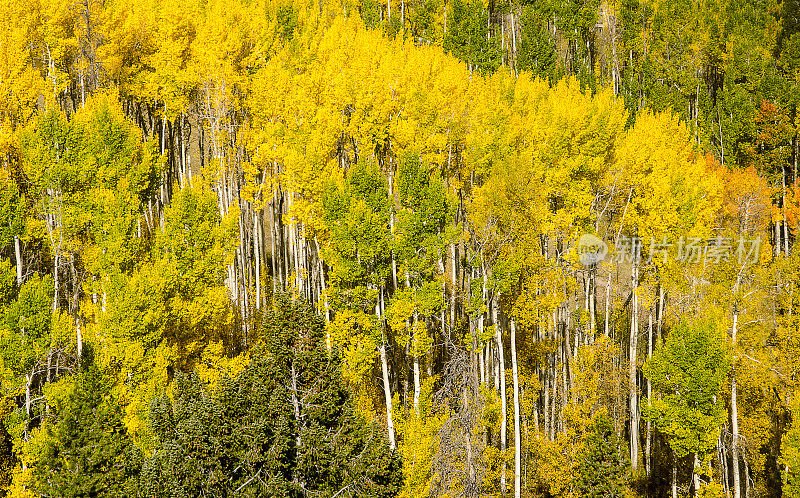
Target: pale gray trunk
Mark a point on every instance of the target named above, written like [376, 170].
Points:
[633, 394]
[660, 311]
[184, 173]
[735, 415]
[257, 256]
[18, 256]
[56, 264]
[649, 394]
[696, 475]
[416, 376]
[590, 297]
[674, 476]
[481, 366]
[387, 393]
[608, 302]
[79, 338]
[503, 408]
[517, 438]
[454, 279]
[387, 389]
[391, 230]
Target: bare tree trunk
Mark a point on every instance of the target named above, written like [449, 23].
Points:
[633, 393]
[674, 475]
[18, 256]
[56, 264]
[416, 374]
[257, 256]
[608, 301]
[454, 288]
[649, 394]
[503, 408]
[590, 297]
[722, 458]
[391, 229]
[696, 475]
[737, 493]
[517, 438]
[78, 338]
[387, 392]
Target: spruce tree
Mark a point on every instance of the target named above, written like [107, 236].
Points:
[285, 426]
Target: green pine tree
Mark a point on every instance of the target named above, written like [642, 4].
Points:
[604, 467]
[86, 451]
[285, 426]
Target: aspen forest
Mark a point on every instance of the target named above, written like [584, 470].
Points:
[399, 248]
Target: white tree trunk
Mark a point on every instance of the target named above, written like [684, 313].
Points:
[737, 493]
[416, 378]
[633, 394]
[79, 338]
[257, 256]
[387, 392]
[18, 256]
[696, 475]
[503, 408]
[517, 438]
[649, 394]
[674, 476]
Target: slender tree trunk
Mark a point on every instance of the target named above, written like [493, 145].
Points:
[590, 297]
[454, 287]
[517, 438]
[722, 458]
[633, 393]
[503, 408]
[737, 493]
[481, 366]
[18, 256]
[674, 475]
[257, 256]
[391, 230]
[56, 264]
[387, 393]
[696, 475]
[608, 301]
[78, 338]
[660, 312]
[416, 374]
[649, 394]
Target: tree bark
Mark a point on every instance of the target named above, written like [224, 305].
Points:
[696, 475]
[633, 394]
[735, 414]
[674, 475]
[387, 392]
[503, 408]
[18, 256]
[78, 338]
[517, 438]
[649, 395]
